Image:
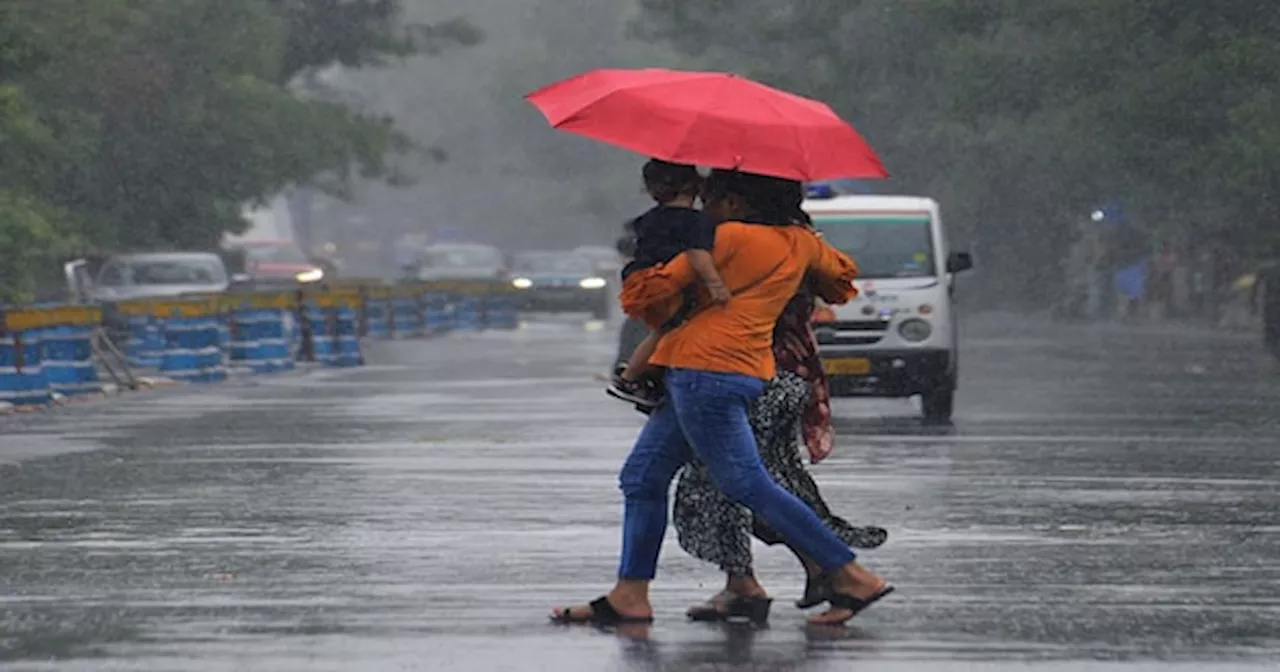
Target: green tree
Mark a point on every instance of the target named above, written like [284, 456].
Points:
[30, 235]
[1021, 117]
[143, 124]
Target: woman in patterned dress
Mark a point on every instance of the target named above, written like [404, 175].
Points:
[712, 528]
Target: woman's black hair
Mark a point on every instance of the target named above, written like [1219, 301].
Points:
[770, 200]
[666, 181]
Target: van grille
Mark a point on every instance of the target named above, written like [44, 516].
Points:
[851, 332]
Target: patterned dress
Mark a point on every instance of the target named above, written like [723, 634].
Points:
[711, 527]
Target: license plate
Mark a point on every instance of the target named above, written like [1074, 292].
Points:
[847, 366]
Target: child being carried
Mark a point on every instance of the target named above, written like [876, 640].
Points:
[670, 228]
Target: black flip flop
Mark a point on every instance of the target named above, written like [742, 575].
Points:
[855, 604]
[602, 614]
[815, 593]
[754, 609]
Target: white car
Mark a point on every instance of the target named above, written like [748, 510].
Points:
[158, 274]
[462, 261]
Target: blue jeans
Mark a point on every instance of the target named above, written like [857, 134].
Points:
[705, 415]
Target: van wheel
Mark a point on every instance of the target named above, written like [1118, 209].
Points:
[938, 404]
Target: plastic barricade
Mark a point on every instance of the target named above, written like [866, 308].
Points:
[192, 334]
[259, 341]
[146, 341]
[191, 350]
[407, 314]
[333, 320]
[261, 338]
[501, 311]
[22, 381]
[224, 338]
[347, 337]
[379, 313]
[468, 313]
[438, 312]
[47, 349]
[66, 358]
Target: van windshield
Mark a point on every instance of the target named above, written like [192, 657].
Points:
[884, 245]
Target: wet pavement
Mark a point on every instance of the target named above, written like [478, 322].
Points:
[1107, 499]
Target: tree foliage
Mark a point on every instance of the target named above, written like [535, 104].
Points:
[1022, 117]
[143, 124]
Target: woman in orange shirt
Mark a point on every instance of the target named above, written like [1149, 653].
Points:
[717, 363]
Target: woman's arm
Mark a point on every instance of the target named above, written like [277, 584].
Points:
[832, 273]
[654, 294]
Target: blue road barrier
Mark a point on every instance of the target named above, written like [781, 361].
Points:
[380, 313]
[323, 347]
[22, 381]
[224, 338]
[146, 341]
[335, 337]
[501, 312]
[438, 312]
[260, 340]
[468, 313]
[347, 338]
[406, 317]
[49, 349]
[66, 357]
[191, 351]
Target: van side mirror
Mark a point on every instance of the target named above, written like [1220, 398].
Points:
[959, 262]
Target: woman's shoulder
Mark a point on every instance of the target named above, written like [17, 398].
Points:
[768, 231]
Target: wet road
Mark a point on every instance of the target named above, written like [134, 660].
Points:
[1107, 499]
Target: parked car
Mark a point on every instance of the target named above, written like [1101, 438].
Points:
[158, 274]
[275, 262]
[462, 261]
[560, 282]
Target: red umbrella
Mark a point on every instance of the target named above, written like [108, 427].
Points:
[710, 119]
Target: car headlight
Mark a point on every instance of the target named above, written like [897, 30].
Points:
[522, 283]
[915, 330]
[592, 283]
[312, 275]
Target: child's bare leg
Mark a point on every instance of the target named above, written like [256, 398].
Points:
[638, 363]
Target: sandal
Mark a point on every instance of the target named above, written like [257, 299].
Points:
[854, 604]
[815, 588]
[815, 593]
[602, 614]
[735, 608]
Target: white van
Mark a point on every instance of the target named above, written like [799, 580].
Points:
[899, 337]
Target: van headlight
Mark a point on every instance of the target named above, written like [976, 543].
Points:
[592, 283]
[915, 330]
[522, 283]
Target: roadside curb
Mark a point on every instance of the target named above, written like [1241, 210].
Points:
[106, 391]
[150, 382]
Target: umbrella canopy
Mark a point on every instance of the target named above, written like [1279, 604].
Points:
[709, 119]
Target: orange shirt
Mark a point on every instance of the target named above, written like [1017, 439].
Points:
[763, 267]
